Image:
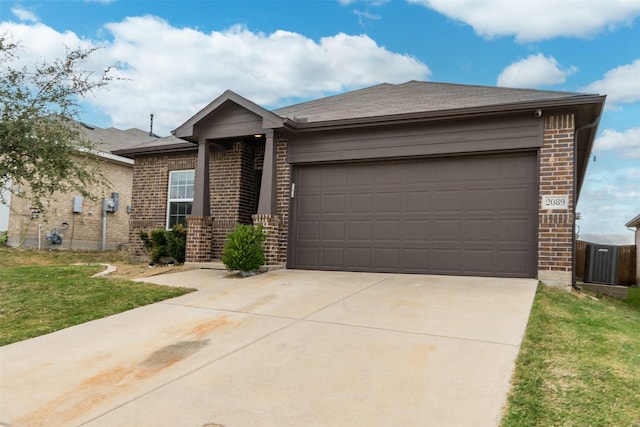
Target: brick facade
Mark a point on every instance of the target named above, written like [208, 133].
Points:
[149, 202]
[555, 227]
[233, 177]
[283, 173]
[83, 229]
[199, 235]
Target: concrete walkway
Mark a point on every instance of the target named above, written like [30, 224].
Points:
[284, 348]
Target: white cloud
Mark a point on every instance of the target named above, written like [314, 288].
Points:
[621, 84]
[531, 20]
[173, 72]
[24, 14]
[534, 71]
[626, 143]
[609, 199]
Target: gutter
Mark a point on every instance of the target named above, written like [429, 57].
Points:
[593, 124]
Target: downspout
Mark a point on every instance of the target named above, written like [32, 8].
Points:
[594, 123]
[103, 246]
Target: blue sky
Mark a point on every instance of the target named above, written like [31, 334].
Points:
[177, 56]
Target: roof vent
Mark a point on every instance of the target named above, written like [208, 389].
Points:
[300, 119]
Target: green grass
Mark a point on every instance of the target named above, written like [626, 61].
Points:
[633, 299]
[36, 300]
[579, 364]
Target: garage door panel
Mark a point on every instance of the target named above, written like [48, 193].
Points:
[310, 204]
[479, 200]
[337, 178]
[512, 261]
[415, 230]
[335, 203]
[308, 230]
[446, 201]
[359, 258]
[445, 260]
[456, 215]
[333, 230]
[480, 230]
[514, 199]
[388, 202]
[333, 258]
[514, 230]
[360, 203]
[479, 261]
[445, 230]
[387, 230]
[359, 230]
[385, 259]
[416, 201]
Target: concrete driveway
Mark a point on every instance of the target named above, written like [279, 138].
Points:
[284, 348]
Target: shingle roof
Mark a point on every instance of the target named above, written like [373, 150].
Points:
[110, 139]
[412, 97]
[161, 142]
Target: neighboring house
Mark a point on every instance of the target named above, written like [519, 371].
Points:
[79, 220]
[635, 222]
[409, 178]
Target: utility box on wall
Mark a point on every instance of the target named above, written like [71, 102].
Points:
[77, 204]
[116, 201]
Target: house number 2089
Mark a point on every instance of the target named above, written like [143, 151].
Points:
[555, 202]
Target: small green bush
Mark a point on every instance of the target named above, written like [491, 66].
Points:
[162, 243]
[244, 249]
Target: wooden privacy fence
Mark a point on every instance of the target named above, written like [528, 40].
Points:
[624, 262]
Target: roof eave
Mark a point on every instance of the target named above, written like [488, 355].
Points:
[132, 153]
[478, 111]
[635, 222]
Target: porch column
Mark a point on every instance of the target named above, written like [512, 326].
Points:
[267, 205]
[271, 227]
[201, 198]
[200, 222]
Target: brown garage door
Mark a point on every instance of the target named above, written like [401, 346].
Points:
[471, 215]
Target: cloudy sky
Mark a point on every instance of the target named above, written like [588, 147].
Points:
[177, 56]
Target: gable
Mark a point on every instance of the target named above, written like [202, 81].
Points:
[229, 120]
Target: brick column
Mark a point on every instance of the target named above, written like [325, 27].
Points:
[271, 226]
[555, 226]
[199, 235]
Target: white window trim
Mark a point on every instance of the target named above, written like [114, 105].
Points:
[170, 200]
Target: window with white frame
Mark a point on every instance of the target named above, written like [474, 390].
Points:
[180, 197]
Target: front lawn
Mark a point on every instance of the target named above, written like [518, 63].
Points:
[39, 295]
[579, 364]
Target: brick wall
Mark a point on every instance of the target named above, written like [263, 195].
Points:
[149, 200]
[555, 227]
[233, 191]
[84, 230]
[283, 173]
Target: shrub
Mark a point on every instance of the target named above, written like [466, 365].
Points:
[244, 250]
[162, 243]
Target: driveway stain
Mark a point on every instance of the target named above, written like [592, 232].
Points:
[109, 383]
[171, 354]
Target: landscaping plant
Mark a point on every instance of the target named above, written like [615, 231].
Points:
[162, 243]
[244, 249]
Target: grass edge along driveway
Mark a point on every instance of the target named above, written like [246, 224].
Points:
[37, 300]
[579, 363]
